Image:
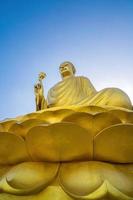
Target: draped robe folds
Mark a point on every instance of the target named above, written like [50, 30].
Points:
[80, 91]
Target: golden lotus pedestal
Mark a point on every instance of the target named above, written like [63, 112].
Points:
[68, 153]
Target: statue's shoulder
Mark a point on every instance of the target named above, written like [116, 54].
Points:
[83, 78]
[87, 83]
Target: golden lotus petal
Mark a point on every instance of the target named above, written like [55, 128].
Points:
[28, 124]
[4, 169]
[105, 192]
[59, 142]
[90, 109]
[80, 118]
[17, 129]
[122, 178]
[39, 176]
[1, 128]
[115, 144]
[7, 124]
[53, 192]
[50, 193]
[32, 115]
[32, 122]
[94, 180]
[80, 178]
[55, 116]
[23, 127]
[12, 149]
[126, 116]
[93, 123]
[5, 196]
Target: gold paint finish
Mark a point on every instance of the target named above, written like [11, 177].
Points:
[12, 149]
[78, 90]
[93, 123]
[115, 144]
[79, 147]
[28, 177]
[86, 155]
[59, 142]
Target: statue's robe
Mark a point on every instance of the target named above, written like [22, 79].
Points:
[80, 91]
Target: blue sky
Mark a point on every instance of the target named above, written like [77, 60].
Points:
[37, 35]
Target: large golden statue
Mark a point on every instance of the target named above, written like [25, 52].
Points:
[78, 146]
[79, 90]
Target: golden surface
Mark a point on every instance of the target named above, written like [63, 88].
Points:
[28, 177]
[79, 147]
[39, 93]
[75, 152]
[93, 123]
[86, 178]
[12, 149]
[115, 144]
[78, 90]
[64, 143]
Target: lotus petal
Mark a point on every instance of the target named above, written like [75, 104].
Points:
[17, 129]
[53, 192]
[1, 128]
[39, 176]
[122, 178]
[33, 115]
[115, 144]
[126, 116]
[90, 109]
[59, 142]
[12, 149]
[96, 180]
[22, 128]
[4, 169]
[50, 193]
[93, 123]
[55, 116]
[7, 124]
[80, 178]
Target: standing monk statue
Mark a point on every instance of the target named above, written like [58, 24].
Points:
[39, 93]
[78, 90]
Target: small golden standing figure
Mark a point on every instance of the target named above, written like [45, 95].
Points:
[39, 93]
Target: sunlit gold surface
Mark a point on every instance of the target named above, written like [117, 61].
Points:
[74, 152]
[78, 90]
[39, 93]
[79, 147]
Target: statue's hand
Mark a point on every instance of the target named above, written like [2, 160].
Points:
[37, 88]
[39, 93]
[42, 75]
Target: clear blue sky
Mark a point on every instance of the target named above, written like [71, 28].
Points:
[37, 35]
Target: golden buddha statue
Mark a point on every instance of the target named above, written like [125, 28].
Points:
[79, 147]
[79, 90]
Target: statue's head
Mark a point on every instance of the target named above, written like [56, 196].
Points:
[67, 69]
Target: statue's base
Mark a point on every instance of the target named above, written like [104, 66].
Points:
[68, 153]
